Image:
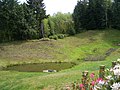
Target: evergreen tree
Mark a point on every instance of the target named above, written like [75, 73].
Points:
[100, 14]
[108, 13]
[79, 15]
[38, 9]
[116, 14]
[11, 20]
[32, 32]
[90, 16]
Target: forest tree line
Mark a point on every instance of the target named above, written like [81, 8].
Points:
[29, 20]
[96, 14]
[21, 21]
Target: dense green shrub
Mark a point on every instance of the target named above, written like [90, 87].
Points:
[71, 31]
[55, 37]
[60, 36]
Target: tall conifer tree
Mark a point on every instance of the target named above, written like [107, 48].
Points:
[38, 9]
[90, 16]
[79, 15]
[116, 14]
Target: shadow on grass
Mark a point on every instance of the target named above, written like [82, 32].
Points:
[13, 43]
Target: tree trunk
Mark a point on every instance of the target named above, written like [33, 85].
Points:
[41, 30]
[106, 18]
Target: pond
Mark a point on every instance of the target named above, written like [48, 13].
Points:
[41, 67]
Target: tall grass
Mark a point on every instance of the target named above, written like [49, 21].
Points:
[70, 49]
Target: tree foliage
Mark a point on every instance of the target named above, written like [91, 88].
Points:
[59, 24]
[12, 21]
[96, 14]
[21, 21]
[116, 14]
[38, 10]
[29, 20]
[79, 15]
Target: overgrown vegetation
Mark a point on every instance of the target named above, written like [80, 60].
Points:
[70, 49]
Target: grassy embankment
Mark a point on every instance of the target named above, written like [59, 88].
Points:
[91, 45]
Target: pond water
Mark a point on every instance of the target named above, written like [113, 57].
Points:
[39, 67]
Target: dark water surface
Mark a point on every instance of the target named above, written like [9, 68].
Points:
[39, 67]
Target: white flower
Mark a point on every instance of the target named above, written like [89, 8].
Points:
[101, 82]
[116, 67]
[116, 86]
[116, 70]
[109, 77]
[111, 69]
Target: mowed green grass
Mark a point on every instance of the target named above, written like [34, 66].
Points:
[70, 49]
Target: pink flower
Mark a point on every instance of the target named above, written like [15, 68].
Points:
[93, 83]
[81, 85]
[92, 75]
[99, 79]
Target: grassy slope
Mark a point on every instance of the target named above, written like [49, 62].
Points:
[69, 49]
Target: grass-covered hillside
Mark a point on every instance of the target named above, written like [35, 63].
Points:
[88, 50]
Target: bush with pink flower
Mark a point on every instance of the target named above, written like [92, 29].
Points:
[109, 79]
